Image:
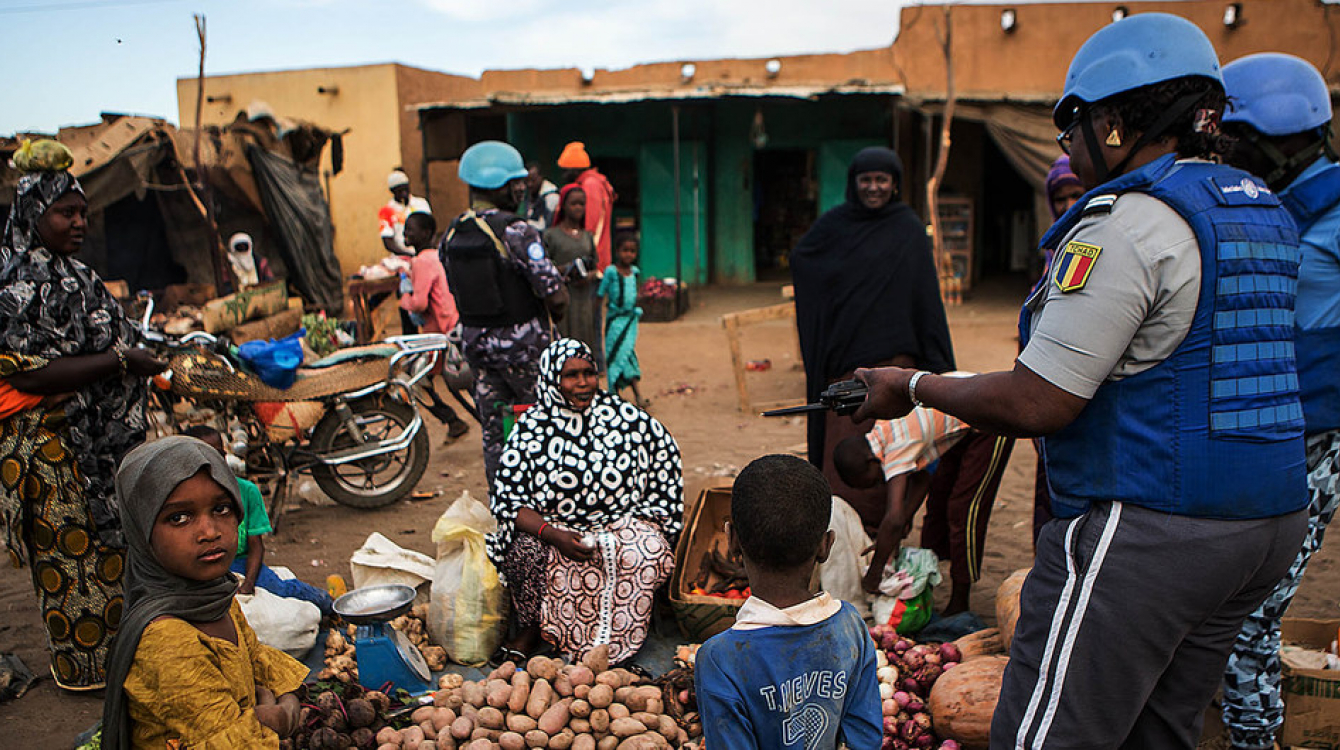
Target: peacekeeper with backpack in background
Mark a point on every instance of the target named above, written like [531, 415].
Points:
[1281, 122]
[506, 288]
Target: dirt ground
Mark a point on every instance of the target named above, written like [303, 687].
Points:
[687, 374]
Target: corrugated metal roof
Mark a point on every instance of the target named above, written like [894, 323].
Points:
[625, 96]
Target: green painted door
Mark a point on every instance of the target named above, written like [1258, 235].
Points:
[656, 188]
[834, 159]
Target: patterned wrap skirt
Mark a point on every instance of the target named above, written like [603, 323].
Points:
[77, 578]
[607, 599]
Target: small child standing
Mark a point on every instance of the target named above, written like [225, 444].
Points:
[185, 669]
[619, 288]
[796, 670]
[255, 524]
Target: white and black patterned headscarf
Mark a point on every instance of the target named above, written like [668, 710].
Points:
[586, 469]
[54, 306]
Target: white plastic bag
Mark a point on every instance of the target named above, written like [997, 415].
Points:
[468, 608]
[381, 561]
[840, 575]
[289, 625]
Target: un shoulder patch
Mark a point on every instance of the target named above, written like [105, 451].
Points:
[1073, 264]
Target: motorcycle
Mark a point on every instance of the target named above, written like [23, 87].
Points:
[351, 420]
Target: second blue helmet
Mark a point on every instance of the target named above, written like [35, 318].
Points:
[1277, 94]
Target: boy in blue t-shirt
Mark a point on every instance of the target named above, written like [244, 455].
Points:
[796, 670]
[250, 560]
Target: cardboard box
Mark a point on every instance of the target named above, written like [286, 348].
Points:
[1311, 696]
[701, 617]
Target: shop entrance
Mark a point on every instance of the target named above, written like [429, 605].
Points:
[785, 206]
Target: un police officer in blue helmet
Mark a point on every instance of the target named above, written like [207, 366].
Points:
[1280, 121]
[505, 286]
[1158, 366]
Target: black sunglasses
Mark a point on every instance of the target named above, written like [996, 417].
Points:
[1064, 137]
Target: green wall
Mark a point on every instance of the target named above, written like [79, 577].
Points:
[834, 126]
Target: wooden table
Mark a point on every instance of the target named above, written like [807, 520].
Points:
[361, 292]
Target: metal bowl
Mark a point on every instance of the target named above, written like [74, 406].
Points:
[375, 603]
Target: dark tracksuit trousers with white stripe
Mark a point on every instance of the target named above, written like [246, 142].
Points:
[1130, 614]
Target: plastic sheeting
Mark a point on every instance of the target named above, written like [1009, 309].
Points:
[300, 217]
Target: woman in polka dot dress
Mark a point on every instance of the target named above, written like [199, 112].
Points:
[589, 499]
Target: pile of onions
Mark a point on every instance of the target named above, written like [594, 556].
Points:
[906, 671]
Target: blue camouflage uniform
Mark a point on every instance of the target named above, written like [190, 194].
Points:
[505, 359]
[1253, 706]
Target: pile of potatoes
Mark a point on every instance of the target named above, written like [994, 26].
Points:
[342, 664]
[549, 704]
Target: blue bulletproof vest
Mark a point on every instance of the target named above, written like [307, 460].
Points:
[1216, 429]
[1318, 348]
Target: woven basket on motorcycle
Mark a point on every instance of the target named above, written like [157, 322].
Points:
[201, 375]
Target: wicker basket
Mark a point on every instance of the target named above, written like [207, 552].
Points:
[701, 617]
[662, 310]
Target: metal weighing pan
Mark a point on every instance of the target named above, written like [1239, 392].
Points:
[375, 603]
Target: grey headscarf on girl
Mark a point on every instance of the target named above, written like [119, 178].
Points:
[147, 477]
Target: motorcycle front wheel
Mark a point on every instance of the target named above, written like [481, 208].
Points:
[379, 480]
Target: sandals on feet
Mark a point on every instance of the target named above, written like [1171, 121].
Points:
[504, 654]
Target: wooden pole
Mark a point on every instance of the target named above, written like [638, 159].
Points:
[949, 285]
[221, 271]
[199, 89]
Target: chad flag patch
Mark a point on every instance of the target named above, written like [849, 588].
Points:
[1073, 264]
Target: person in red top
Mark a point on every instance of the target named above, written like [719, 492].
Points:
[432, 302]
[600, 197]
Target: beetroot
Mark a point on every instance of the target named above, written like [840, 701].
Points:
[950, 745]
[898, 744]
[903, 644]
[922, 720]
[915, 705]
[909, 731]
[902, 698]
[890, 726]
[925, 740]
[914, 659]
[911, 685]
[949, 665]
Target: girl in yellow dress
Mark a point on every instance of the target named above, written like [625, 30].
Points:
[185, 670]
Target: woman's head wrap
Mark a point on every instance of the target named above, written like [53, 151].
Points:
[563, 199]
[874, 159]
[1058, 177]
[553, 358]
[148, 476]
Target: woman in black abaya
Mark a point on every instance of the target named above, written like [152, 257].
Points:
[867, 295]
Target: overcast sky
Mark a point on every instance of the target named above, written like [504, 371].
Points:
[65, 61]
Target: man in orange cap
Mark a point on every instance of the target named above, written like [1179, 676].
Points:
[600, 196]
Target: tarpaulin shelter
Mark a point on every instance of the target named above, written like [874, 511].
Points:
[149, 227]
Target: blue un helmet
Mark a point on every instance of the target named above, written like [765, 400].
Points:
[1277, 94]
[489, 165]
[1141, 50]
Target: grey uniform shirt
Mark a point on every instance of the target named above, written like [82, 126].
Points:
[1135, 308]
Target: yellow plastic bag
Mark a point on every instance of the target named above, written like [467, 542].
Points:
[468, 606]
